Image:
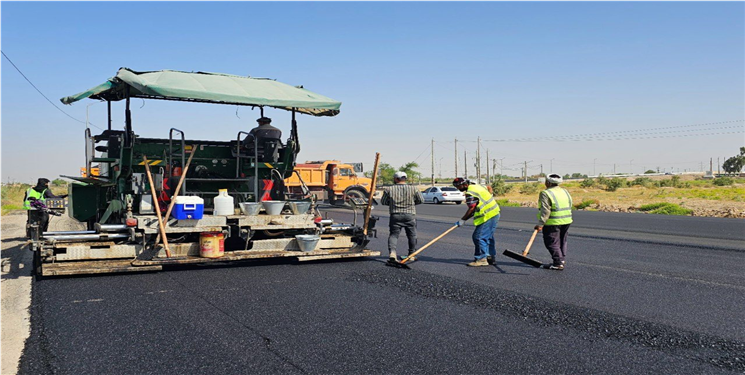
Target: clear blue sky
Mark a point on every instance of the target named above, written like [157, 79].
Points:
[405, 73]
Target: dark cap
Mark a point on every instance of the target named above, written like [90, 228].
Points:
[264, 120]
[459, 181]
[42, 182]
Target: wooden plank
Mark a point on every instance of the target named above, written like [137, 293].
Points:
[93, 267]
[231, 256]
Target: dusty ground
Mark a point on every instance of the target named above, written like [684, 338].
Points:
[722, 202]
[629, 202]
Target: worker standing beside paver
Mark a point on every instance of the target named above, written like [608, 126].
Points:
[554, 218]
[39, 192]
[485, 212]
[401, 199]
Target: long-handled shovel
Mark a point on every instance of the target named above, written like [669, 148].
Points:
[524, 256]
[161, 226]
[402, 264]
[178, 188]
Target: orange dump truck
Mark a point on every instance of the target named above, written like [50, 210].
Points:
[329, 179]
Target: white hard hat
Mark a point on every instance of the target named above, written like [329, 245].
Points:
[554, 179]
[399, 175]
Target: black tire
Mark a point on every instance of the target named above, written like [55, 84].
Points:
[458, 202]
[356, 193]
[435, 200]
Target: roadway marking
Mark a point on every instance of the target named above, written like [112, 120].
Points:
[740, 287]
[160, 291]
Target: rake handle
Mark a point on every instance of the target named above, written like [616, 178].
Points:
[157, 207]
[527, 248]
[429, 243]
[178, 188]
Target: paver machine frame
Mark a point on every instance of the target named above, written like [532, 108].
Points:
[117, 205]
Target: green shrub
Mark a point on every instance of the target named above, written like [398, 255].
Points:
[642, 181]
[59, 182]
[530, 188]
[664, 208]
[500, 187]
[614, 183]
[587, 183]
[723, 181]
[507, 203]
[586, 203]
[673, 182]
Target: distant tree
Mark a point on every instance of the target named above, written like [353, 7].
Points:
[735, 163]
[650, 171]
[411, 173]
[578, 175]
[58, 182]
[385, 174]
[567, 176]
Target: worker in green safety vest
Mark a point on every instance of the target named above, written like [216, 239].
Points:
[39, 192]
[483, 207]
[554, 218]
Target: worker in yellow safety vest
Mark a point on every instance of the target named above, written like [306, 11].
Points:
[39, 192]
[483, 207]
[554, 218]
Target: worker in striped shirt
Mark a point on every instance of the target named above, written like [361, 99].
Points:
[401, 199]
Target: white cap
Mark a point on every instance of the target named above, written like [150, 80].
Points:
[399, 175]
[554, 179]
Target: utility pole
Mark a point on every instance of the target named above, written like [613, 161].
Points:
[541, 169]
[456, 158]
[711, 165]
[719, 171]
[488, 176]
[478, 160]
[614, 168]
[433, 162]
[525, 172]
[465, 164]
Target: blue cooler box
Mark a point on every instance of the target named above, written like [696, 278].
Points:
[188, 207]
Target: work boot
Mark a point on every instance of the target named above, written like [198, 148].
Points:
[490, 260]
[478, 263]
[560, 267]
[393, 255]
[411, 260]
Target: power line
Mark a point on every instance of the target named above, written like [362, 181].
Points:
[41, 93]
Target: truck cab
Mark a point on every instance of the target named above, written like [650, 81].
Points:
[330, 179]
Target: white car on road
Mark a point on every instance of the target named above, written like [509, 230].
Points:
[438, 195]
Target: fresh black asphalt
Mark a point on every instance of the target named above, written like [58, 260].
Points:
[627, 303]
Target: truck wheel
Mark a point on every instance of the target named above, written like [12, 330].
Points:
[355, 193]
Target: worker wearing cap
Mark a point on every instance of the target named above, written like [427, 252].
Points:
[554, 218]
[401, 199]
[485, 212]
[40, 192]
[262, 133]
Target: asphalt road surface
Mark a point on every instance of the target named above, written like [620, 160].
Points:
[640, 294]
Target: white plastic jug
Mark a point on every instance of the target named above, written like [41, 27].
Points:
[224, 203]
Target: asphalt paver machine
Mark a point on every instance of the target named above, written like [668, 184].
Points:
[118, 205]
